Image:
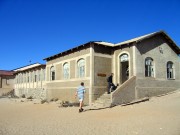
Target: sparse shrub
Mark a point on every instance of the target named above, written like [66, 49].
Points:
[30, 97]
[23, 96]
[54, 99]
[51, 100]
[43, 101]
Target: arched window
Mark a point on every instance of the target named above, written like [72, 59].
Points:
[39, 75]
[21, 77]
[28, 74]
[25, 76]
[170, 70]
[66, 70]
[17, 78]
[52, 73]
[44, 75]
[32, 77]
[81, 68]
[149, 67]
[124, 57]
[35, 76]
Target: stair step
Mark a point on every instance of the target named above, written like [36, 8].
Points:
[103, 101]
[105, 96]
[101, 105]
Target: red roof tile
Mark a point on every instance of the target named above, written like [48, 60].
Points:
[6, 72]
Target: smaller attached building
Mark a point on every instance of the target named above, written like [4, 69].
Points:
[30, 81]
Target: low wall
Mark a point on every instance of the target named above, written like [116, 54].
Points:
[124, 93]
[137, 88]
[148, 87]
[4, 90]
[35, 93]
[66, 94]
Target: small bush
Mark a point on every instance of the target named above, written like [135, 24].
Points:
[51, 100]
[30, 97]
[43, 101]
[54, 99]
[23, 96]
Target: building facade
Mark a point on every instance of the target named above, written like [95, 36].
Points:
[30, 81]
[6, 81]
[145, 66]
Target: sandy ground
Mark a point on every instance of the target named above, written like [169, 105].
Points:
[159, 116]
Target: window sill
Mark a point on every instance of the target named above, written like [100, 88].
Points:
[170, 79]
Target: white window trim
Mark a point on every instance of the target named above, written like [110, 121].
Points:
[173, 67]
[153, 67]
[68, 71]
[77, 72]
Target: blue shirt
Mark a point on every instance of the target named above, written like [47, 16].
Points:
[81, 91]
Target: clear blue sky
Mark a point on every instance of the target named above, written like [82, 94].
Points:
[36, 29]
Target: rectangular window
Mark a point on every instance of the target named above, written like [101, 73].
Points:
[0, 82]
[43, 78]
[35, 78]
[170, 70]
[39, 76]
[7, 81]
[53, 76]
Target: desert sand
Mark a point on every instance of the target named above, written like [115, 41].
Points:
[158, 116]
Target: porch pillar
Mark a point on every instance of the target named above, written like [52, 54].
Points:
[91, 73]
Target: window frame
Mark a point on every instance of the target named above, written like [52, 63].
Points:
[52, 73]
[149, 67]
[66, 70]
[81, 68]
[171, 75]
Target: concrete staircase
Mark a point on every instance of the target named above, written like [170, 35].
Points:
[123, 93]
[104, 101]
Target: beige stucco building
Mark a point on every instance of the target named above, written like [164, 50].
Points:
[30, 81]
[144, 66]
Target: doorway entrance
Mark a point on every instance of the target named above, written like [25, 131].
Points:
[124, 68]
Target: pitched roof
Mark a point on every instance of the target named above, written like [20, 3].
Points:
[137, 39]
[105, 43]
[6, 72]
[28, 67]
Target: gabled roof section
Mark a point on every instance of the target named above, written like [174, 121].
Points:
[137, 39]
[105, 43]
[28, 67]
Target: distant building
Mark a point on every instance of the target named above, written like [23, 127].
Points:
[6, 81]
[30, 81]
[145, 66]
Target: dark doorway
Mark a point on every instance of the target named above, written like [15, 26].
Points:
[124, 68]
[124, 71]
